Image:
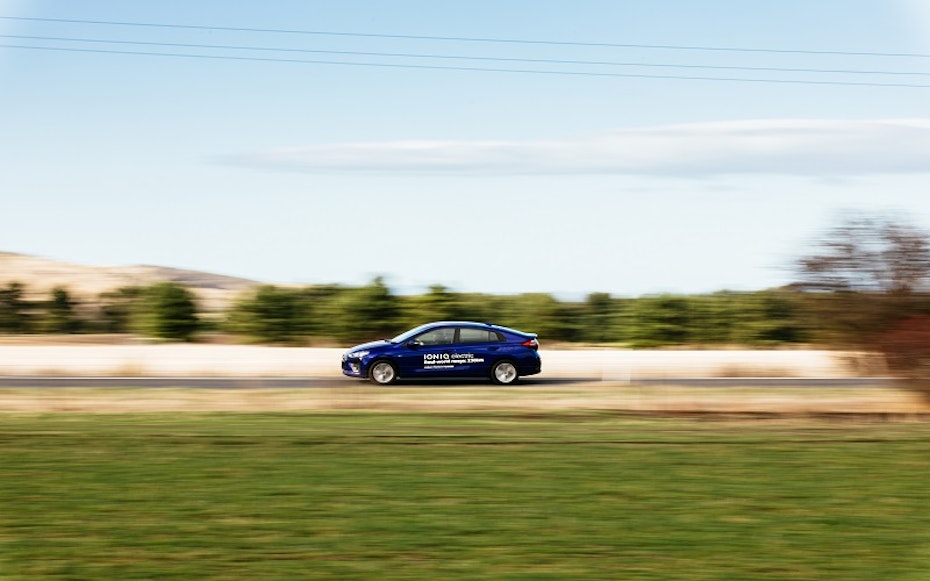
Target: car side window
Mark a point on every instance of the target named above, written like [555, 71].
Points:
[437, 337]
[470, 335]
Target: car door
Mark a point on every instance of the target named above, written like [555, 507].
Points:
[476, 350]
[429, 354]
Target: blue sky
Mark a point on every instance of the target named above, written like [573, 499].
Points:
[613, 178]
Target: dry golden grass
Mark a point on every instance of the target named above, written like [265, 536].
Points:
[354, 395]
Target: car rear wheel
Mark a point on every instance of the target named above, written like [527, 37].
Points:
[504, 372]
[382, 373]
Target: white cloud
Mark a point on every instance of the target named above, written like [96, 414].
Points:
[786, 147]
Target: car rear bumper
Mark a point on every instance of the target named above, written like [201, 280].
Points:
[531, 366]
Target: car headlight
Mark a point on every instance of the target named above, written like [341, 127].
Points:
[358, 354]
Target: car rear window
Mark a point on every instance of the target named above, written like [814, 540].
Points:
[469, 335]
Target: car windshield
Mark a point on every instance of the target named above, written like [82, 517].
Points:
[407, 335]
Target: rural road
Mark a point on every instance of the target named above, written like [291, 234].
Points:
[330, 382]
[251, 361]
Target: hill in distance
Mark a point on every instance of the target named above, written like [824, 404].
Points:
[40, 275]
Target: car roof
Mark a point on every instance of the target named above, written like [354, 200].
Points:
[458, 324]
[473, 324]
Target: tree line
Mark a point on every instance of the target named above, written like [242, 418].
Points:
[865, 284]
[164, 310]
[343, 314]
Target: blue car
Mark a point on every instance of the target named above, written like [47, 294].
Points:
[447, 349]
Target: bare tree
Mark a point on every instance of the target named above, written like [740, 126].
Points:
[870, 278]
[868, 254]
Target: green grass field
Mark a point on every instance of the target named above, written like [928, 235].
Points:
[460, 496]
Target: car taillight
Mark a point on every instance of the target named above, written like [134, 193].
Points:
[531, 343]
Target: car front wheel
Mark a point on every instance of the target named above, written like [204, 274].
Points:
[382, 373]
[504, 372]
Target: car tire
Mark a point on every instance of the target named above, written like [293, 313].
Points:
[382, 373]
[504, 372]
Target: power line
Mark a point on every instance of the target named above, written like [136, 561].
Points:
[468, 39]
[461, 57]
[464, 68]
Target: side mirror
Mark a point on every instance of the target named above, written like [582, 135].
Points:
[413, 344]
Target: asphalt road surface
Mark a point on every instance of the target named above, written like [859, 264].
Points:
[329, 382]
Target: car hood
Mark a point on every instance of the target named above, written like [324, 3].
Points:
[369, 345]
